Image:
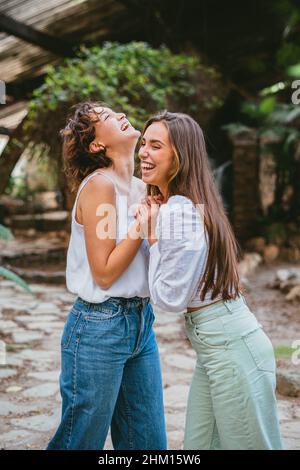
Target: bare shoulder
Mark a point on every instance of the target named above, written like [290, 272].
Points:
[98, 188]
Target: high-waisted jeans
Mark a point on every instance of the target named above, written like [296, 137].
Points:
[110, 377]
[231, 402]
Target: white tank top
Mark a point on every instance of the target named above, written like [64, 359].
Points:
[134, 280]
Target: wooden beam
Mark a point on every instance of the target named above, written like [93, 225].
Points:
[5, 131]
[22, 89]
[136, 5]
[29, 34]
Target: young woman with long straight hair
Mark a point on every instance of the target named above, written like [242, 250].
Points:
[110, 368]
[194, 269]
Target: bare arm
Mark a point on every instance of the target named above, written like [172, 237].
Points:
[107, 260]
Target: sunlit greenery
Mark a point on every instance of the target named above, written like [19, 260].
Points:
[133, 77]
[282, 351]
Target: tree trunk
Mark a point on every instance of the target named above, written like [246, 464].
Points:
[10, 155]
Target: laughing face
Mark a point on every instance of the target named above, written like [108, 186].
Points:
[156, 156]
[112, 130]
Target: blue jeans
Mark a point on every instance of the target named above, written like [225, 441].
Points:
[232, 403]
[110, 377]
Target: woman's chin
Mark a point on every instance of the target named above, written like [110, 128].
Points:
[136, 133]
[131, 135]
[146, 178]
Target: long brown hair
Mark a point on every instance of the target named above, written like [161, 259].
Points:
[193, 177]
[77, 135]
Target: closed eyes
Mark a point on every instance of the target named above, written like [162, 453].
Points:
[154, 147]
[104, 114]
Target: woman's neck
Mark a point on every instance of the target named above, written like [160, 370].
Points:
[123, 163]
[122, 170]
[164, 192]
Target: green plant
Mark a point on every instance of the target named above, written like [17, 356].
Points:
[276, 233]
[133, 77]
[5, 234]
[279, 122]
[18, 188]
[11, 276]
[282, 351]
[273, 121]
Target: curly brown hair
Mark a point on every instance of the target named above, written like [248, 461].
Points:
[77, 135]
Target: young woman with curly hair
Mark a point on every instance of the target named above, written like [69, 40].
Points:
[110, 367]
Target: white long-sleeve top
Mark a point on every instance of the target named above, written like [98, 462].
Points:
[178, 259]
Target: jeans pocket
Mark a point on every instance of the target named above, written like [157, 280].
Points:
[69, 328]
[104, 311]
[261, 350]
[212, 339]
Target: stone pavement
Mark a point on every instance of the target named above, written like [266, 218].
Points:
[29, 393]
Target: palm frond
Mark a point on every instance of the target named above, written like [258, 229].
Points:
[11, 276]
[5, 233]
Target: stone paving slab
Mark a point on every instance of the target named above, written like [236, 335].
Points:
[29, 394]
[10, 408]
[50, 376]
[7, 373]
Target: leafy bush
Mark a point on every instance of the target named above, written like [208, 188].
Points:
[133, 78]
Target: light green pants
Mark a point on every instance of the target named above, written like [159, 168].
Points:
[232, 403]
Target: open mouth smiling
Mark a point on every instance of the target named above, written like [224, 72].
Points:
[145, 166]
[125, 126]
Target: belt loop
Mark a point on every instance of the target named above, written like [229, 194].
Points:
[145, 302]
[228, 305]
[245, 301]
[189, 319]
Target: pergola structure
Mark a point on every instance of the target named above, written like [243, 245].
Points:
[34, 33]
[232, 36]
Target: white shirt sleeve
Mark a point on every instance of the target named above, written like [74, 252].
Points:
[178, 258]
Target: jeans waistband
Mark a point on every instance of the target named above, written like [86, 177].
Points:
[219, 309]
[130, 302]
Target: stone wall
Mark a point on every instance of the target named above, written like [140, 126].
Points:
[254, 193]
[246, 197]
